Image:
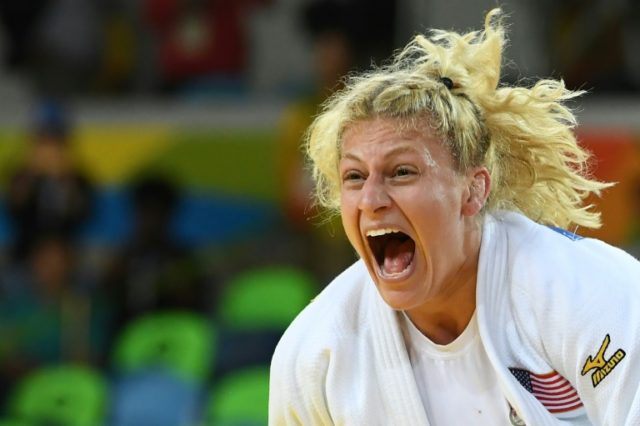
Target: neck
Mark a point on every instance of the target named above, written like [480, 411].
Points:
[442, 322]
[443, 318]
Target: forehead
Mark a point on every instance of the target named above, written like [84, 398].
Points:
[390, 134]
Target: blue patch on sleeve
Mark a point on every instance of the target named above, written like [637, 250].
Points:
[568, 234]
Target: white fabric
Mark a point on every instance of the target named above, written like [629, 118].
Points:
[544, 303]
[456, 382]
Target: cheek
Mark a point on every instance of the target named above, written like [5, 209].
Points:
[430, 212]
[349, 216]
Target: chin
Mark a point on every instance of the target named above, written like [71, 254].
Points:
[399, 299]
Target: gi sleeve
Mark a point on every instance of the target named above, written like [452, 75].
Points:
[297, 386]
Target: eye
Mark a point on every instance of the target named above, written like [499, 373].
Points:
[403, 171]
[352, 176]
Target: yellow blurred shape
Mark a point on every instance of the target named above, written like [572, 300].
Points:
[112, 154]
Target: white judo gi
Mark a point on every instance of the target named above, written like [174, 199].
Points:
[549, 304]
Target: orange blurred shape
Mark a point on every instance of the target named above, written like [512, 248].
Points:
[616, 158]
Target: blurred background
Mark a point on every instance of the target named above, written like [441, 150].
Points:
[156, 231]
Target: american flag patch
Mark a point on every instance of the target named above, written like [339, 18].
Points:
[551, 389]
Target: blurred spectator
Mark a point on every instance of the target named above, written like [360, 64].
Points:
[47, 313]
[67, 47]
[200, 40]
[594, 44]
[122, 50]
[48, 192]
[54, 42]
[153, 271]
[19, 19]
[323, 248]
[332, 42]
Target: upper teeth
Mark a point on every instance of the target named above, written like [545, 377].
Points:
[383, 231]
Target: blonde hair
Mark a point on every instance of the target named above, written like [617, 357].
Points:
[524, 136]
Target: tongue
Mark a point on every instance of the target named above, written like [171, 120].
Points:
[398, 255]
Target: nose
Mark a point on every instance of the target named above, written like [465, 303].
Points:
[373, 196]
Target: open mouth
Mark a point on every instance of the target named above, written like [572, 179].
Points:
[393, 251]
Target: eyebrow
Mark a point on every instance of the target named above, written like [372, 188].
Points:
[394, 151]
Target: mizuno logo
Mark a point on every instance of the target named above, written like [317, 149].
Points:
[601, 366]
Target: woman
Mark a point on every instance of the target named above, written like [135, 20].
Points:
[470, 304]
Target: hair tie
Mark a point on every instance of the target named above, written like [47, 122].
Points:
[447, 82]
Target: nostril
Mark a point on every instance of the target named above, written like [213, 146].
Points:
[374, 197]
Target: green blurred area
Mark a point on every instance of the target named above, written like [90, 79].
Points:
[234, 162]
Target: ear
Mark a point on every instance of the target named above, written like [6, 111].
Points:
[479, 186]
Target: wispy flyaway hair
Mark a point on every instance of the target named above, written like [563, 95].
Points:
[523, 135]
